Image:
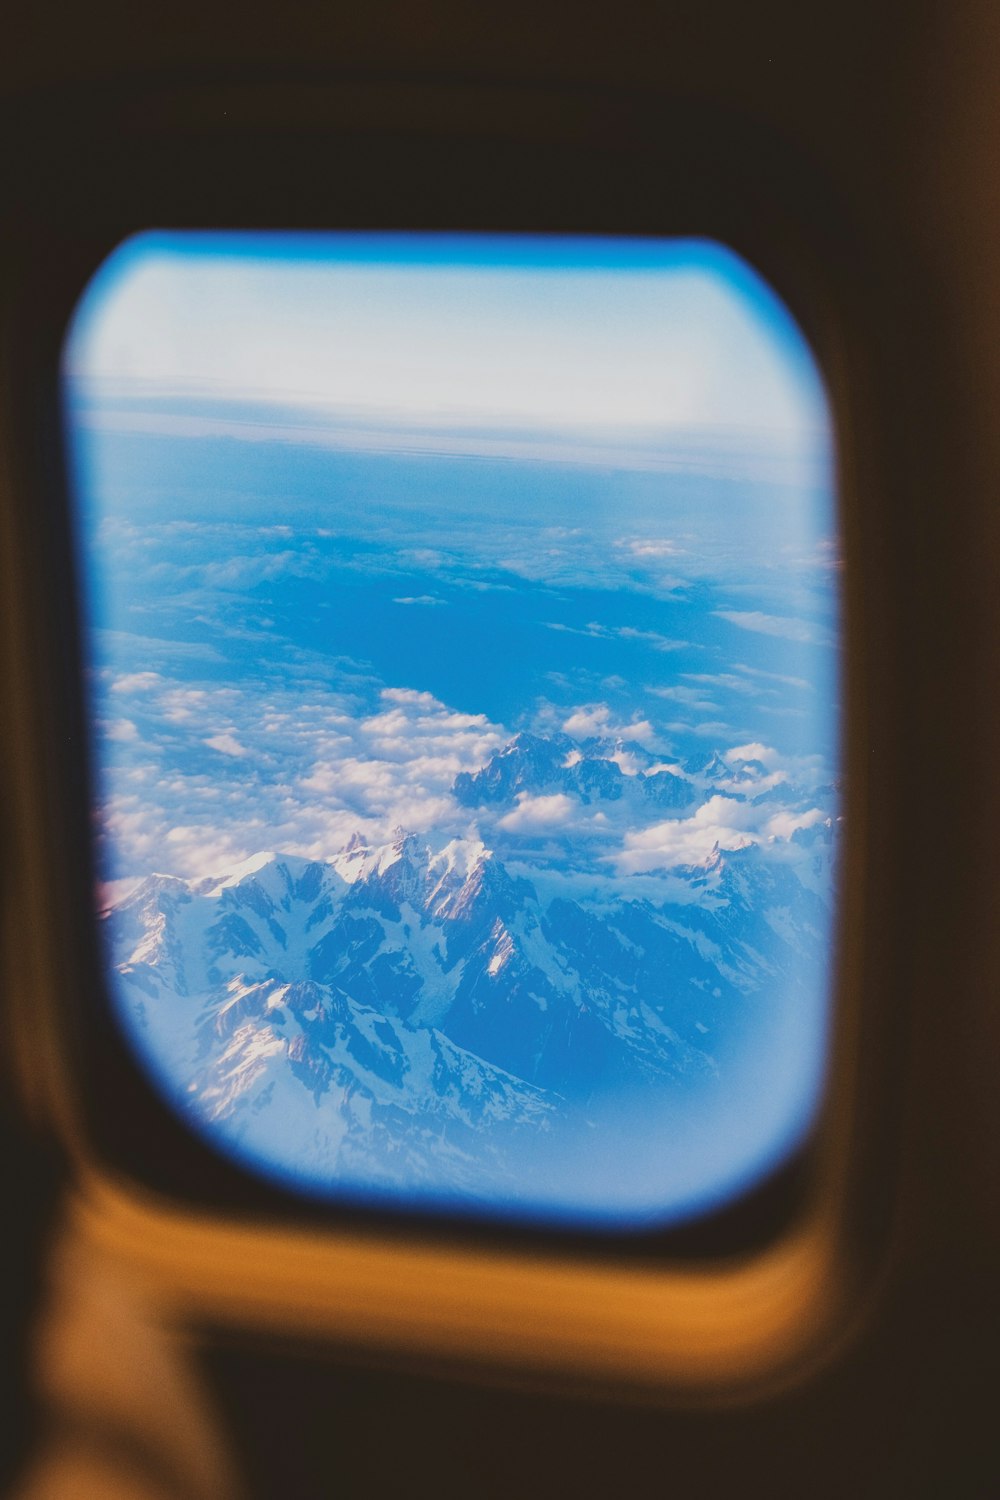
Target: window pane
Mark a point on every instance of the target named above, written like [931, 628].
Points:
[462, 624]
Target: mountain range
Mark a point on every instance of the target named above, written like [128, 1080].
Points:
[414, 1019]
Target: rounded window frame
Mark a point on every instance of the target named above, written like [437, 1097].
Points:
[703, 1319]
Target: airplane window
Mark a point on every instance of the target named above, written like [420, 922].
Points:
[462, 627]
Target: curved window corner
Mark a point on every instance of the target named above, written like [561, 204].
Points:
[462, 628]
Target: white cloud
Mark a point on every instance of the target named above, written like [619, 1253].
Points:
[322, 768]
[713, 729]
[766, 754]
[419, 599]
[627, 762]
[652, 637]
[783, 824]
[804, 632]
[721, 822]
[540, 812]
[200, 849]
[728, 681]
[688, 697]
[724, 823]
[121, 730]
[246, 572]
[354, 781]
[796, 682]
[595, 721]
[649, 547]
[181, 705]
[134, 682]
[411, 696]
[421, 732]
[226, 744]
[596, 631]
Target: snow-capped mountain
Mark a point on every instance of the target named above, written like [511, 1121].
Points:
[413, 1017]
[596, 769]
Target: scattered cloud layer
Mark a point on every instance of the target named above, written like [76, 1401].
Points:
[200, 775]
[224, 731]
[218, 773]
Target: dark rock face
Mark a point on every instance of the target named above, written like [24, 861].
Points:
[530, 762]
[538, 764]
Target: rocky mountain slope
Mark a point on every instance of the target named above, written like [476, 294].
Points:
[415, 1019]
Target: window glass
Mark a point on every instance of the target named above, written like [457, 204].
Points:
[462, 624]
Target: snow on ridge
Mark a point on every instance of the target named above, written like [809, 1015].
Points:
[356, 861]
[359, 860]
[459, 856]
[214, 885]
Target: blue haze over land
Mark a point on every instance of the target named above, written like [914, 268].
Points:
[467, 773]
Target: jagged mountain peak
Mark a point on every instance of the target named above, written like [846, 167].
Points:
[435, 860]
[488, 880]
[598, 769]
[524, 741]
[362, 861]
[149, 889]
[527, 762]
